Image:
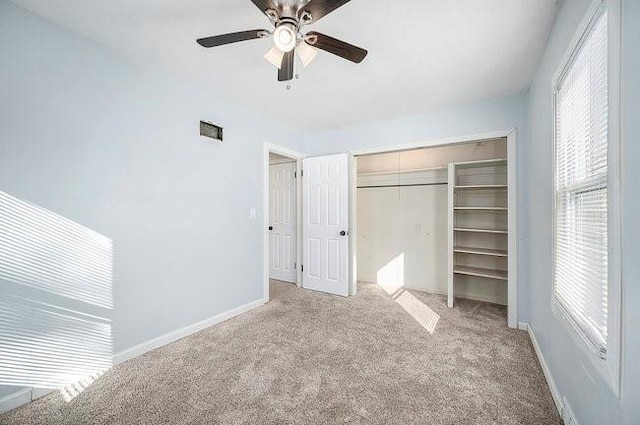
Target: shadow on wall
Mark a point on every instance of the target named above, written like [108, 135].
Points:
[56, 300]
[391, 279]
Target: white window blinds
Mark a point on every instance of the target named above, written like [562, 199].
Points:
[581, 143]
[56, 298]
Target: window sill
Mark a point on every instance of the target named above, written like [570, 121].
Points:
[602, 366]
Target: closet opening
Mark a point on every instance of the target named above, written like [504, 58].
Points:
[437, 220]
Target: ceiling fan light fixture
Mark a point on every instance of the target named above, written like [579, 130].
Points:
[285, 37]
[306, 53]
[275, 56]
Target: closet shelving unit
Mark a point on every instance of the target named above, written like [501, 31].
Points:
[478, 222]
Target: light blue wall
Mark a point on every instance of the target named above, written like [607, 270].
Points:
[467, 120]
[114, 146]
[6, 390]
[591, 399]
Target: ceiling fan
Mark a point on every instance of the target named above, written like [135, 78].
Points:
[289, 18]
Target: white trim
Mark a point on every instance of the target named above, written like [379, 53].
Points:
[297, 156]
[282, 151]
[575, 43]
[173, 336]
[353, 225]
[478, 137]
[523, 326]
[615, 344]
[281, 161]
[545, 369]
[512, 242]
[451, 182]
[511, 135]
[37, 393]
[15, 400]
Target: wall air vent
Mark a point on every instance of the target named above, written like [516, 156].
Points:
[210, 130]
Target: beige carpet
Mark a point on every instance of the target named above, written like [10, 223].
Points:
[311, 358]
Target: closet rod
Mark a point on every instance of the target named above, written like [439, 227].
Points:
[404, 185]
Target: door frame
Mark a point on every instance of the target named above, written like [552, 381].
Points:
[511, 134]
[297, 157]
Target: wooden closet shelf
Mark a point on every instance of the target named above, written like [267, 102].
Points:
[497, 162]
[477, 271]
[495, 231]
[481, 251]
[480, 208]
[481, 187]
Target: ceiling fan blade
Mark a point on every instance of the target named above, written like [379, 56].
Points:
[285, 73]
[265, 5]
[335, 46]
[320, 8]
[220, 40]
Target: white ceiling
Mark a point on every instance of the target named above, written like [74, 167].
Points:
[423, 54]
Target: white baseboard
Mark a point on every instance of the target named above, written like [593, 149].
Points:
[27, 395]
[523, 326]
[545, 369]
[37, 393]
[170, 337]
[15, 400]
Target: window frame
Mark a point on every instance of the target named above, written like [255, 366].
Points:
[609, 367]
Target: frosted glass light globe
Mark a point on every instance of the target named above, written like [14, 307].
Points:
[284, 37]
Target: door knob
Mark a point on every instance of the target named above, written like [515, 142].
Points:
[270, 227]
[343, 233]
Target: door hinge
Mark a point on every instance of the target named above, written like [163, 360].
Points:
[295, 266]
[301, 173]
[295, 174]
[301, 267]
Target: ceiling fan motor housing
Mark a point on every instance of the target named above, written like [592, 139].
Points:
[288, 20]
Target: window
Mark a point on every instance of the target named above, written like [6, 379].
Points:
[581, 240]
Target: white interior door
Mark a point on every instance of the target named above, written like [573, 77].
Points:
[282, 222]
[326, 224]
